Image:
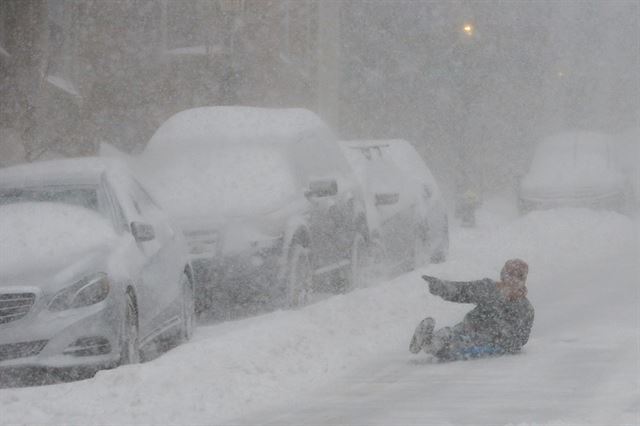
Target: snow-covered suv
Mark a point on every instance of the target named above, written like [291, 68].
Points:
[265, 198]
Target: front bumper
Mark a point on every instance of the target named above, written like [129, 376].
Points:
[83, 337]
[614, 201]
[236, 279]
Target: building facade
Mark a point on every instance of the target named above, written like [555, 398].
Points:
[75, 74]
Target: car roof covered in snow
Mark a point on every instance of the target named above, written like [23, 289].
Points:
[366, 163]
[402, 153]
[65, 171]
[216, 125]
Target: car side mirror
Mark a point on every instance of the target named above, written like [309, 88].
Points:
[322, 188]
[387, 198]
[142, 231]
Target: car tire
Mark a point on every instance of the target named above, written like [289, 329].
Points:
[378, 267]
[420, 248]
[130, 351]
[298, 279]
[359, 261]
[188, 310]
[439, 255]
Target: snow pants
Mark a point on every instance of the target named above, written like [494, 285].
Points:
[456, 343]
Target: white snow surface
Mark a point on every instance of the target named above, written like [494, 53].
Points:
[43, 234]
[579, 367]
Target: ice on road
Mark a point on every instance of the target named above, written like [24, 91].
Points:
[345, 360]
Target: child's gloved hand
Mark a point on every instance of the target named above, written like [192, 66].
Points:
[436, 286]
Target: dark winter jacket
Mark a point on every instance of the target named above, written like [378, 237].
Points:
[495, 320]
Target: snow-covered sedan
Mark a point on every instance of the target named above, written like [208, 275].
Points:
[406, 215]
[91, 271]
[266, 199]
[574, 169]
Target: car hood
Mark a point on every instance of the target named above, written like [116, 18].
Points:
[49, 237]
[51, 277]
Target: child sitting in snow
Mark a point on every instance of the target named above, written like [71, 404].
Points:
[500, 323]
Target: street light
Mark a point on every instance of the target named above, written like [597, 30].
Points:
[468, 29]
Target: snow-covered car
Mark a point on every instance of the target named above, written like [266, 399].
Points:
[91, 270]
[267, 201]
[406, 215]
[574, 169]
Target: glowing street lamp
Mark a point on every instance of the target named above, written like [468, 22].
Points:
[468, 29]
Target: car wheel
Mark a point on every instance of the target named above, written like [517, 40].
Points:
[360, 262]
[420, 248]
[298, 278]
[440, 253]
[131, 339]
[188, 310]
[378, 267]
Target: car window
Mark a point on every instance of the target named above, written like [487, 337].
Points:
[77, 195]
[319, 157]
[119, 218]
[149, 210]
[142, 201]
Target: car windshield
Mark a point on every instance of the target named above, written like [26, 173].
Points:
[568, 156]
[84, 196]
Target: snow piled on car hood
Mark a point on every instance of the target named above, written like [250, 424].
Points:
[44, 235]
[235, 368]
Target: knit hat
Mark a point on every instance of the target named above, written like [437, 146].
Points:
[515, 268]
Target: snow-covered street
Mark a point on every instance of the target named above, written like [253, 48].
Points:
[345, 360]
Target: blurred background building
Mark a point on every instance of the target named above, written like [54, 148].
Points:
[472, 84]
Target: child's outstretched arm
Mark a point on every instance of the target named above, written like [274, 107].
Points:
[461, 291]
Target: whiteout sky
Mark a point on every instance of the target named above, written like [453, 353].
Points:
[473, 102]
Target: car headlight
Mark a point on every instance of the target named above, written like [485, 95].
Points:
[89, 290]
[202, 242]
[202, 247]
